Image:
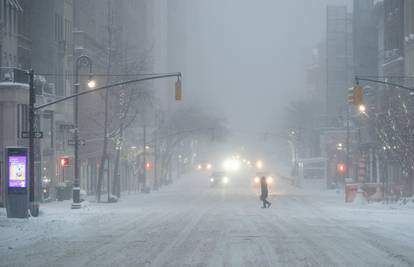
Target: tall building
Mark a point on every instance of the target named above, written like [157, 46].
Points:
[24, 42]
[13, 83]
[393, 38]
[316, 74]
[339, 76]
[409, 37]
[365, 44]
[52, 52]
[103, 30]
[365, 50]
[10, 12]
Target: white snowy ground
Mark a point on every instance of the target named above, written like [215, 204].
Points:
[189, 224]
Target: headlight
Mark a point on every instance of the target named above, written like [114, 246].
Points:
[225, 180]
[269, 180]
[211, 179]
[232, 165]
[256, 180]
[199, 167]
[208, 166]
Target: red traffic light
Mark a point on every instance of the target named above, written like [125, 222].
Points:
[341, 168]
[148, 165]
[64, 162]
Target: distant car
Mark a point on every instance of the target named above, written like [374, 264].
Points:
[218, 179]
[204, 166]
[258, 177]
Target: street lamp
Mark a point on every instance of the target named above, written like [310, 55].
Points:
[91, 83]
[81, 61]
[362, 108]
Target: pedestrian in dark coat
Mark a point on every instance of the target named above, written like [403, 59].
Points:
[265, 193]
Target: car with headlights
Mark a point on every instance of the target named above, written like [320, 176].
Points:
[258, 177]
[218, 179]
[204, 166]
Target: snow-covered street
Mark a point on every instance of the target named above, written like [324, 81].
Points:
[190, 224]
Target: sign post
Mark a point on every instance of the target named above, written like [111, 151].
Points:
[16, 182]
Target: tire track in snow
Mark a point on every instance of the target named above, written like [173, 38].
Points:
[167, 253]
[345, 243]
[384, 246]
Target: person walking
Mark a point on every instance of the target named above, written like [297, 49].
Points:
[265, 193]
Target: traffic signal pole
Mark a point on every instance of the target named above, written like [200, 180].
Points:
[33, 205]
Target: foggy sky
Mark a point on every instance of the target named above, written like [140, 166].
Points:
[244, 58]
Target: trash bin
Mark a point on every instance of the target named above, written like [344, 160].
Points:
[60, 191]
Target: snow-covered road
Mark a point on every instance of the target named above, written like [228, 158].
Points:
[189, 224]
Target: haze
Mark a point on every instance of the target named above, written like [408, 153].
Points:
[245, 59]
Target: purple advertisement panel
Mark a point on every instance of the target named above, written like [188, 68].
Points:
[17, 171]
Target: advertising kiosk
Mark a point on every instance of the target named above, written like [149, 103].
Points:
[16, 182]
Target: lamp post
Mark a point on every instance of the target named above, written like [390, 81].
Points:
[82, 60]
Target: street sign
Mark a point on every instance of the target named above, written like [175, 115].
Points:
[38, 135]
[67, 126]
[72, 142]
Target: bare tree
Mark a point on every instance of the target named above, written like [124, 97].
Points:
[394, 128]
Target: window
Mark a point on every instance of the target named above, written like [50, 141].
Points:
[68, 31]
[58, 28]
[1, 11]
[9, 19]
[4, 10]
[16, 14]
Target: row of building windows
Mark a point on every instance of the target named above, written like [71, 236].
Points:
[7, 59]
[63, 29]
[9, 10]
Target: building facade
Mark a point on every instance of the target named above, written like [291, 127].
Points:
[339, 64]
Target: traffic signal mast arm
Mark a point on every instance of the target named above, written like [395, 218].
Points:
[177, 88]
[357, 79]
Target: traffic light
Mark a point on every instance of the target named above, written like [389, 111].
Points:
[356, 95]
[148, 165]
[178, 90]
[64, 162]
[341, 168]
